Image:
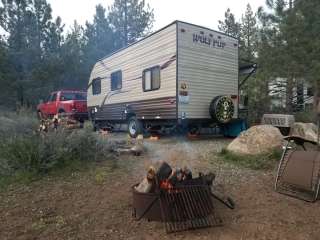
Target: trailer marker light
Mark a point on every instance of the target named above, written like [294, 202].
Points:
[234, 96]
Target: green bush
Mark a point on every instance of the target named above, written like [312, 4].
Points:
[23, 122]
[27, 155]
[256, 162]
[307, 116]
[42, 153]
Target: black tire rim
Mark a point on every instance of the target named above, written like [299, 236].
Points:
[224, 109]
[132, 128]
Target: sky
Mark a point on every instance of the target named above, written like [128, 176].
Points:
[201, 12]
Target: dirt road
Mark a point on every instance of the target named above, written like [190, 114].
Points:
[96, 203]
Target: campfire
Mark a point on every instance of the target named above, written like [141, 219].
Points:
[176, 198]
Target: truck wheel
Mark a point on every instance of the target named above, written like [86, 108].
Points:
[134, 127]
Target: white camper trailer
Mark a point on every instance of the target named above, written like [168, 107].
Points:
[182, 75]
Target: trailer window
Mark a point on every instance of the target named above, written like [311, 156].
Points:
[151, 79]
[116, 80]
[96, 86]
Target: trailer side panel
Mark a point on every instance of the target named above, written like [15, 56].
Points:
[157, 50]
[207, 67]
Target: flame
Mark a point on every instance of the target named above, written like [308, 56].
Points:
[166, 185]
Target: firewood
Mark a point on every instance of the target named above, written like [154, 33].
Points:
[148, 183]
[137, 150]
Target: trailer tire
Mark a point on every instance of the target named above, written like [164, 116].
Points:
[222, 109]
[134, 127]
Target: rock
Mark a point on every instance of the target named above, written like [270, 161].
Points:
[256, 140]
[308, 131]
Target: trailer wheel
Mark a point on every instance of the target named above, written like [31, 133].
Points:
[134, 127]
[222, 109]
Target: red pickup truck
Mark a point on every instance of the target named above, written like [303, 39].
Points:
[70, 103]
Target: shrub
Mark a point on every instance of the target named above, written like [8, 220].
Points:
[17, 123]
[26, 154]
[43, 153]
[307, 116]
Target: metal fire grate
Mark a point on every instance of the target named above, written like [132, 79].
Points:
[188, 207]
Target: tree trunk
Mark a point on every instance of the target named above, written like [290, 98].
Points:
[289, 93]
[20, 95]
[125, 23]
[316, 97]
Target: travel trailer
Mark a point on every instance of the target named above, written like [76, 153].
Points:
[182, 76]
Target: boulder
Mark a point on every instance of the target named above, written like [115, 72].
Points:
[308, 131]
[256, 140]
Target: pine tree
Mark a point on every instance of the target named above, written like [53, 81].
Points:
[248, 36]
[130, 20]
[27, 24]
[75, 75]
[6, 75]
[229, 25]
[280, 34]
[14, 15]
[307, 36]
[99, 37]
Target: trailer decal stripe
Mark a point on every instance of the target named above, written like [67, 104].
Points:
[151, 109]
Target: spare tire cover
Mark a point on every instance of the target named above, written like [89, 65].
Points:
[222, 109]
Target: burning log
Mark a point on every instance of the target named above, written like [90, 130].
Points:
[164, 172]
[168, 179]
[178, 200]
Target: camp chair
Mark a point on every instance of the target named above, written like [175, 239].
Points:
[298, 173]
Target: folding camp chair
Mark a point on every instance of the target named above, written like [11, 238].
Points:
[298, 173]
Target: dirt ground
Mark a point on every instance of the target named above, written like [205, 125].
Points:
[96, 204]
